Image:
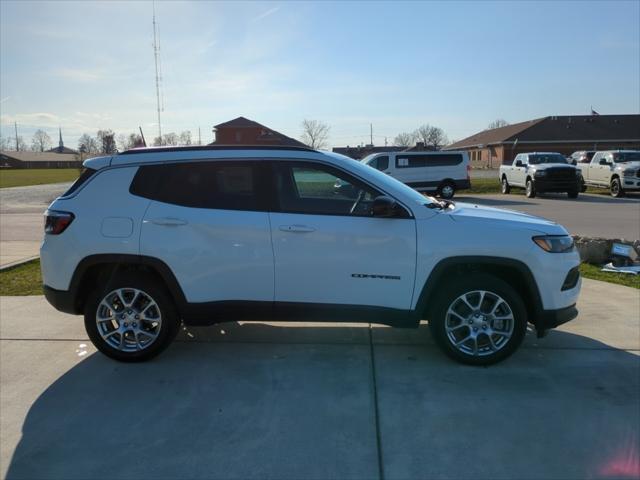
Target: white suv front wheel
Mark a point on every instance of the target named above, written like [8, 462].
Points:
[132, 318]
[480, 320]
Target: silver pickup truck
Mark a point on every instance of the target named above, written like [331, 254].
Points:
[540, 172]
[617, 170]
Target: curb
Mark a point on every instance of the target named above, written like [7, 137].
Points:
[11, 265]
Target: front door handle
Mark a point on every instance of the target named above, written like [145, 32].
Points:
[297, 228]
[168, 221]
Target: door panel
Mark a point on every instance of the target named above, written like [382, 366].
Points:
[330, 256]
[216, 255]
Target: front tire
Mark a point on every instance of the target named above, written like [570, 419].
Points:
[446, 190]
[479, 320]
[616, 188]
[131, 318]
[506, 188]
[572, 193]
[530, 189]
[583, 186]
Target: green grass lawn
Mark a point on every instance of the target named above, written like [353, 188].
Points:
[25, 279]
[36, 176]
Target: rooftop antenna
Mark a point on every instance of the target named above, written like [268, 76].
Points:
[142, 135]
[156, 55]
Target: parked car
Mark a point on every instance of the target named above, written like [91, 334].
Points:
[154, 237]
[617, 170]
[441, 172]
[540, 172]
[581, 156]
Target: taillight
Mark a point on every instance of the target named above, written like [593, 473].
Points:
[56, 222]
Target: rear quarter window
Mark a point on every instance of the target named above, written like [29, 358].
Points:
[85, 175]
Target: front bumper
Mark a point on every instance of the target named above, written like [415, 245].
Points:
[61, 300]
[548, 319]
[630, 183]
[549, 185]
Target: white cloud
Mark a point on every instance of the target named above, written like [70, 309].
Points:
[264, 15]
[78, 74]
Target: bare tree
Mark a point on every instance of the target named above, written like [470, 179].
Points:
[3, 143]
[41, 141]
[106, 141]
[21, 145]
[167, 139]
[122, 142]
[185, 138]
[315, 133]
[88, 144]
[405, 139]
[431, 136]
[135, 141]
[499, 122]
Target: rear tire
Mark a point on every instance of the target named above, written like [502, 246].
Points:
[616, 188]
[446, 190]
[131, 318]
[572, 194]
[530, 189]
[506, 188]
[583, 186]
[492, 323]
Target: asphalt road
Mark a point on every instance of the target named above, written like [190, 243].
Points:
[589, 215]
[316, 401]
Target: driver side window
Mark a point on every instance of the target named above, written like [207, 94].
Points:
[321, 190]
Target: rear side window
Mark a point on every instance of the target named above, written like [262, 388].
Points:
[380, 163]
[433, 160]
[216, 185]
[85, 175]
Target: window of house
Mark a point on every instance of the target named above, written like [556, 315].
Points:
[215, 185]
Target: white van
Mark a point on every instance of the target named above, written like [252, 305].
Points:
[442, 172]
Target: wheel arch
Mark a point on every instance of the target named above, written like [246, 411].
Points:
[95, 269]
[515, 272]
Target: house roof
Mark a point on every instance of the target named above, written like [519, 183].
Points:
[64, 150]
[268, 135]
[565, 128]
[39, 156]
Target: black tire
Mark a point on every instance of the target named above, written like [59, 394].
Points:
[163, 332]
[616, 188]
[530, 189]
[572, 193]
[446, 190]
[506, 188]
[583, 186]
[495, 288]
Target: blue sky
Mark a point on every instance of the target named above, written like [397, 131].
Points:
[458, 65]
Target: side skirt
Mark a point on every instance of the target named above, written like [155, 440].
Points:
[211, 313]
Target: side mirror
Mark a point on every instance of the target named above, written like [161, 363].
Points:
[603, 161]
[518, 163]
[384, 207]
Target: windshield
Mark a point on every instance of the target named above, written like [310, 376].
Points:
[367, 160]
[546, 158]
[621, 157]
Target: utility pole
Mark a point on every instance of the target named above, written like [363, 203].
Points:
[199, 137]
[371, 132]
[17, 146]
[385, 141]
[156, 53]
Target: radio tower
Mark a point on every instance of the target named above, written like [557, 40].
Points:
[156, 56]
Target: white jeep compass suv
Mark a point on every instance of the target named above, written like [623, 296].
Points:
[154, 237]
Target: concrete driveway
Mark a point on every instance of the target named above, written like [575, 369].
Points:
[589, 215]
[316, 401]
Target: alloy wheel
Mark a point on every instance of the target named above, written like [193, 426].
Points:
[479, 323]
[128, 319]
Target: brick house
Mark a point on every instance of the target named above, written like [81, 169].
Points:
[563, 134]
[242, 131]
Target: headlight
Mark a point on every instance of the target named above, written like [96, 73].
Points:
[554, 243]
[540, 173]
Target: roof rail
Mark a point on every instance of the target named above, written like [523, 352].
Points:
[201, 148]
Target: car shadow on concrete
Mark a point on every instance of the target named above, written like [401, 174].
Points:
[481, 200]
[260, 401]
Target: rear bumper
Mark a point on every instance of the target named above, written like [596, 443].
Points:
[61, 300]
[554, 318]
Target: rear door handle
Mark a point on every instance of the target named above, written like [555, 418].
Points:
[168, 221]
[296, 228]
